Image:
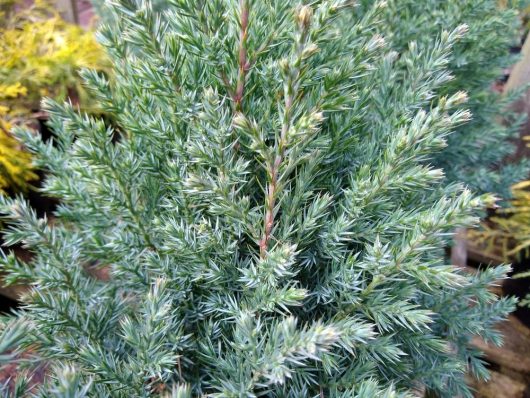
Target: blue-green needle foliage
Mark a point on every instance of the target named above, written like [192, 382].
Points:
[477, 152]
[264, 209]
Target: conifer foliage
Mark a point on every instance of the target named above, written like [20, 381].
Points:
[477, 152]
[263, 214]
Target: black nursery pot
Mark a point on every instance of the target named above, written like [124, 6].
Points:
[7, 305]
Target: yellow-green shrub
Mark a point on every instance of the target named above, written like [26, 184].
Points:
[41, 55]
[508, 233]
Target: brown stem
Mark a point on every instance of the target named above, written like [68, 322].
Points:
[289, 95]
[244, 65]
[273, 175]
[250, 63]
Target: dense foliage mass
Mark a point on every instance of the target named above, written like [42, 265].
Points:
[261, 220]
[476, 154]
[478, 151]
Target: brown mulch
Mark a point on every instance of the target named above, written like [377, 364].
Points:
[10, 372]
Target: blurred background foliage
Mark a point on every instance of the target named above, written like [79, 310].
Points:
[41, 57]
[508, 231]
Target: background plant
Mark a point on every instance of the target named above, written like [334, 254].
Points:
[263, 212]
[477, 153]
[41, 56]
[508, 233]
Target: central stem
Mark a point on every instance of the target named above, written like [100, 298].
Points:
[273, 171]
[292, 71]
[243, 57]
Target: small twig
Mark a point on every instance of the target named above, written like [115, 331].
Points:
[273, 175]
[243, 56]
[179, 367]
[289, 95]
